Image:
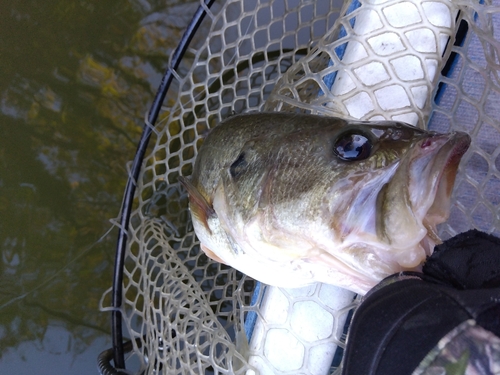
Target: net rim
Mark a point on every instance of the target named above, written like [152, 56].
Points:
[120, 347]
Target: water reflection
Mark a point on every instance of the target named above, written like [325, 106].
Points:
[77, 79]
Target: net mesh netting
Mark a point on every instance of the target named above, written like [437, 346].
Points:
[188, 311]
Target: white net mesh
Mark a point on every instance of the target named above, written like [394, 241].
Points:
[189, 311]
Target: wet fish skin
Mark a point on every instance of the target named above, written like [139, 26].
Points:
[272, 197]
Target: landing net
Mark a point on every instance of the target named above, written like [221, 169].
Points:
[184, 312]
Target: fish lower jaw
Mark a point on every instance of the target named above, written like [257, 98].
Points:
[300, 273]
[410, 258]
[358, 269]
[292, 272]
[319, 266]
[428, 243]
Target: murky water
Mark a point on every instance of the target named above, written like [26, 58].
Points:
[76, 79]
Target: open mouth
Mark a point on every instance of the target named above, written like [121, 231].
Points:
[434, 172]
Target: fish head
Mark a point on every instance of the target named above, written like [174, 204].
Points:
[363, 198]
[398, 195]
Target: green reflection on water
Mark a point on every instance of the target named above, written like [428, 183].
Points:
[76, 80]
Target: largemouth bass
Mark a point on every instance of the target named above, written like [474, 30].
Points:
[292, 199]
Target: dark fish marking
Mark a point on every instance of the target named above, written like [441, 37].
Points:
[381, 205]
[237, 168]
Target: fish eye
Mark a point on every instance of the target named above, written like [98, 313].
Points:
[352, 146]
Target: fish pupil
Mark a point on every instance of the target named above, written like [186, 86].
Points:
[353, 146]
[238, 166]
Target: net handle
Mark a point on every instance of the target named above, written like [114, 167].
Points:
[117, 290]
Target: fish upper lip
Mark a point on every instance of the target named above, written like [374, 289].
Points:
[443, 150]
[445, 154]
[449, 153]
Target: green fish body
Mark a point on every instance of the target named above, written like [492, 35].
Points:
[291, 199]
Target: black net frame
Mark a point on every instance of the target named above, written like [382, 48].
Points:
[117, 353]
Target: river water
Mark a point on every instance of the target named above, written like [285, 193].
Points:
[76, 79]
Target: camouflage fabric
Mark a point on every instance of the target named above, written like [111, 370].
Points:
[467, 349]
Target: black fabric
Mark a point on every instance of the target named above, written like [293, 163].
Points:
[490, 319]
[395, 327]
[404, 317]
[470, 260]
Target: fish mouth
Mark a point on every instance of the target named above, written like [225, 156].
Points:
[432, 177]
